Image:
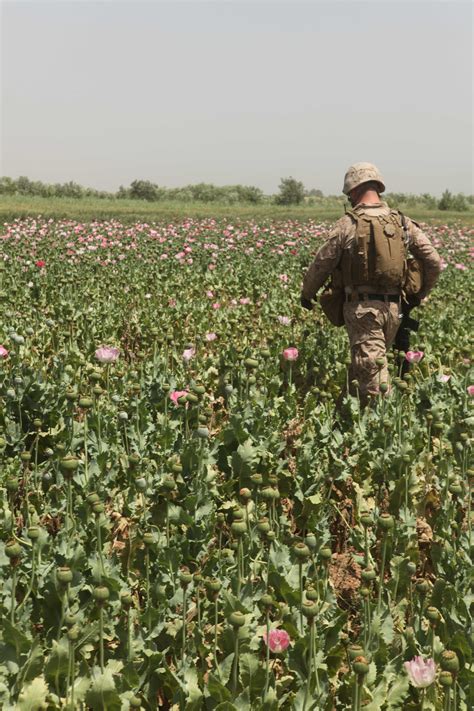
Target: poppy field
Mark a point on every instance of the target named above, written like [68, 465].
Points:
[191, 515]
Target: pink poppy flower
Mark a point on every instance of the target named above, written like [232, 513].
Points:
[284, 320]
[461, 267]
[414, 356]
[107, 354]
[284, 278]
[290, 354]
[188, 353]
[278, 640]
[3, 352]
[216, 306]
[211, 337]
[244, 301]
[421, 672]
[443, 378]
[176, 394]
[40, 263]
[470, 390]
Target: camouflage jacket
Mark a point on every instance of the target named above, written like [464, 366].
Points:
[341, 237]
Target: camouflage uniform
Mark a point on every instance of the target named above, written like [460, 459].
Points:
[371, 324]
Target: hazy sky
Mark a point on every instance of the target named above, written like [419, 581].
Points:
[237, 92]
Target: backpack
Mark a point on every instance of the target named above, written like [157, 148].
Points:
[378, 257]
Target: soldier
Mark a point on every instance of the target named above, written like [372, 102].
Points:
[367, 250]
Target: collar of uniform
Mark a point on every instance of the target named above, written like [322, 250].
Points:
[367, 206]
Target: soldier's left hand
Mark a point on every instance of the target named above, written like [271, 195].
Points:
[306, 303]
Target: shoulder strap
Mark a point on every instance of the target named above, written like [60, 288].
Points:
[406, 237]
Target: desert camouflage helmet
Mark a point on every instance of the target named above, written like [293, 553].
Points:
[361, 173]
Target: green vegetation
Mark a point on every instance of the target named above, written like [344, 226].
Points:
[17, 206]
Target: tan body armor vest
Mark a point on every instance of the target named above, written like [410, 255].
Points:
[378, 255]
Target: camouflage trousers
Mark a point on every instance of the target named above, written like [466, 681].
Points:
[371, 327]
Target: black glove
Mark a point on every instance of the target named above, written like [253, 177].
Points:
[306, 303]
[413, 301]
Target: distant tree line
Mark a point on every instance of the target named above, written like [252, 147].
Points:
[290, 192]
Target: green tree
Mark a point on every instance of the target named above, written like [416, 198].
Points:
[291, 192]
[144, 190]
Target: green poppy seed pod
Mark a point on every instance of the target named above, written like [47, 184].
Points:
[422, 586]
[228, 389]
[386, 522]
[360, 666]
[446, 679]
[185, 577]
[270, 536]
[197, 577]
[86, 403]
[97, 390]
[25, 456]
[267, 601]
[309, 609]
[126, 598]
[438, 426]
[202, 418]
[411, 567]
[251, 379]
[18, 381]
[383, 387]
[64, 575]
[148, 538]
[73, 633]
[213, 585]
[265, 353]
[202, 432]
[98, 507]
[406, 458]
[92, 498]
[237, 619]
[263, 525]
[220, 518]
[199, 389]
[133, 459]
[365, 592]
[368, 574]
[37, 423]
[245, 493]
[380, 362]
[48, 452]
[267, 493]
[176, 468]
[251, 363]
[354, 651]
[140, 483]
[11, 394]
[325, 553]
[123, 416]
[273, 479]
[433, 614]
[69, 463]
[192, 398]
[464, 437]
[256, 479]
[70, 619]
[101, 594]
[449, 661]
[13, 550]
[60, 449]
[238, 514]
[168, 483]
[456, 488]
[238, 528]
[135, 702]
[312, 593]
[33, 533]
[366, 519]
[12, 484]
[311, 541]
[301, 551]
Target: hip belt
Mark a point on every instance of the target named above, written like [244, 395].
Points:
[355, 296]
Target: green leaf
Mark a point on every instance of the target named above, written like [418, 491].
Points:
[58, 660]
[397, 693]
[102, 694]
[194, 693]
[33, 695]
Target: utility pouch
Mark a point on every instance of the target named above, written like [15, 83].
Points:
[332, 299]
